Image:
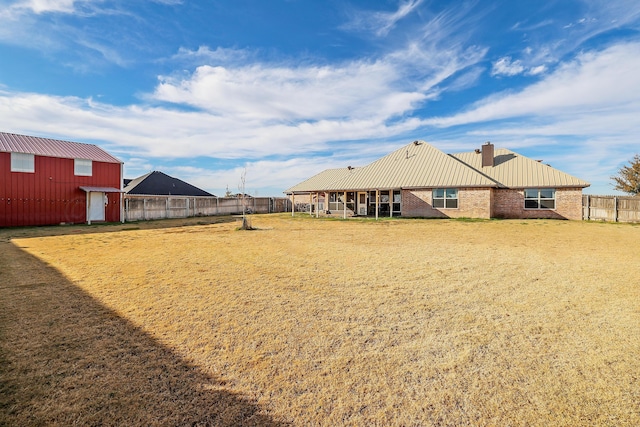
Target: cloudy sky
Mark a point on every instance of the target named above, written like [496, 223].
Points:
[202, 90]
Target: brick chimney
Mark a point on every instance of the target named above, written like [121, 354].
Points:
[487, 155]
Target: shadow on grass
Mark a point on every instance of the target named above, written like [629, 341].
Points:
[66, 359]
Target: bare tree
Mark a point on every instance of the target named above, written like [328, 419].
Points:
[628, 177]
[246, 224]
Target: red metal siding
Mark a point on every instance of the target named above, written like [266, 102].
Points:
[52, 194]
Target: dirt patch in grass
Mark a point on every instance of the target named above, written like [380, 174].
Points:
[314, 322]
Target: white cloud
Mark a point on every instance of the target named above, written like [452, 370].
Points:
[205, 56]
[160, 132]
[337, 96]
[534, 71]
[43, 6]
[169, 2]
[259, 92]
[593, 84]
[28, 24]
[466, 80]
[550, 41]
[380, 23]
[507, 67]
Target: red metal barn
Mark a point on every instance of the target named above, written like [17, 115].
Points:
[46, 181]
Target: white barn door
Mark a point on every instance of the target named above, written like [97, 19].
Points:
[96, 206]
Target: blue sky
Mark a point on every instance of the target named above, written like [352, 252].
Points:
[202, 90]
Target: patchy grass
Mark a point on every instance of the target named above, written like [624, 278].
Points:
[320, 322]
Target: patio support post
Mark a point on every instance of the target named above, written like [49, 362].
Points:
[344, 204]
[377, 202]
[326, 201]
[293, 204]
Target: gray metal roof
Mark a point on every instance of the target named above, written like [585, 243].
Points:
[416, 165]
[47, 147]
[512, 170]
[323, 181]
[420, 165]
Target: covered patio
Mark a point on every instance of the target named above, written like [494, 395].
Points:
[366, 203]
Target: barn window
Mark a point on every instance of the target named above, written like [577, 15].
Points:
[22, 162]
[445, 198]
[82, 167]
[539, 198]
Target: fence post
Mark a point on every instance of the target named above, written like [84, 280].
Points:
[615, 209]
[588, 207]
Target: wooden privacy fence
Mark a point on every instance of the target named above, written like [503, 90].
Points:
[140, 208]
[611, 208]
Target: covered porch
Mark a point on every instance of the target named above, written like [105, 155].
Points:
[363, 203]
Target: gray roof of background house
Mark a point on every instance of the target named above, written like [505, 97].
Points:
[420, 165]
[160, 184]
[13, 143]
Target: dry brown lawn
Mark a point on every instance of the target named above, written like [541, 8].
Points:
[321, 322]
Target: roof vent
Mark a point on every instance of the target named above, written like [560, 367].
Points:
[416, 142]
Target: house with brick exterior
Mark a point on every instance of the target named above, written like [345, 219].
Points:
[419, 180]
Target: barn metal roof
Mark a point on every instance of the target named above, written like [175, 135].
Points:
[13, 143]
[420, 165]
[512, 170]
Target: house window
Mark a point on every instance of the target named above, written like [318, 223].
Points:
[336, 201]
[82, 167]
[445, 198]
[543, 198]
[351, 201]
[22, 162]
[397, 201]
